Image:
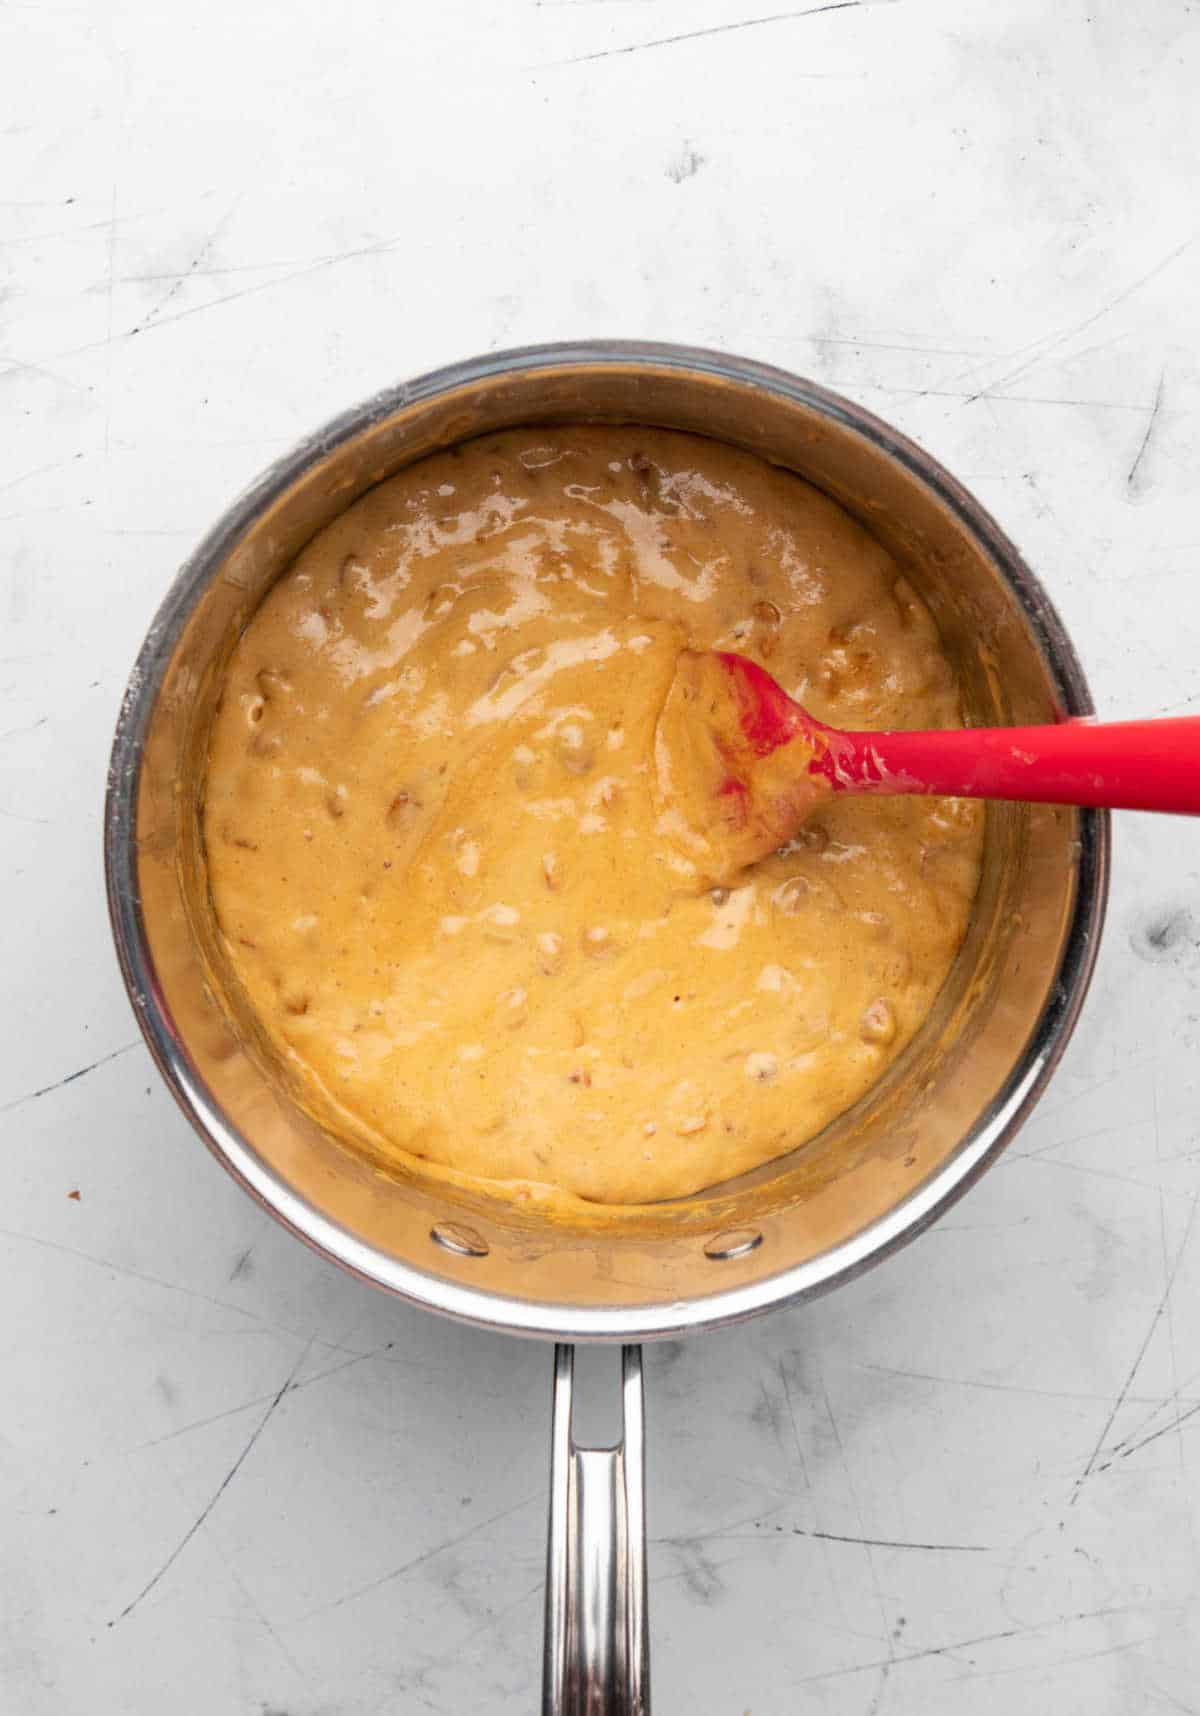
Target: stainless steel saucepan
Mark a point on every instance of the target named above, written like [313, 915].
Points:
[872, 1180]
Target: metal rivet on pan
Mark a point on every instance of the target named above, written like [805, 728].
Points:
[735, 1243]
[452, 1236]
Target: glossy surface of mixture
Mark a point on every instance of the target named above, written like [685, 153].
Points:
[439, 854]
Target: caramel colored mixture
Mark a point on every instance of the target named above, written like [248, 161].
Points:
[446, 864]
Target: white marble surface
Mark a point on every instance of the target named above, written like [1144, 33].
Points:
[233, 1480]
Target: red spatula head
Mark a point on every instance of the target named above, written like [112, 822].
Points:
[739, 765]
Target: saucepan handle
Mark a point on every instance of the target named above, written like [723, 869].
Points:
[597, 1654]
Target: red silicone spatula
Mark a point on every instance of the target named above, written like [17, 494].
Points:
[775, 761]
[1119, 765]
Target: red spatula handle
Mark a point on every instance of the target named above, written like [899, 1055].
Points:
[1125, 765]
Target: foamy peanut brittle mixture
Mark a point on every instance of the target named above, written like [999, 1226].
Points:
[445, 862]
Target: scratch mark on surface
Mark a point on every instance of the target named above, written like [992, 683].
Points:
[380, 248]
[861, 342]
[416, 1561]
[1161, 1697]
[38, 471]
[237, 1465]
[1043, 1159]
[9, 518]
[787, 1395]
[992, 1387]
[17, 367]
[1121, 1076]
[722, 30]
[1184, 703]
[1060, 1662]
[1047, 344]
[872, 1569]
[883, 346]
[181, 280]
[123, 1270]
[1141, 1353]
[242, 1263]
[895, 1543]
[731, 1531]
[731, 1536]
[880, 1690]
[48, 1089]
[258, 1399]
[225, 270]
[952, 1646]
[995, 399]
[1135, 482]
[110, 1266]
[1075, 1138]
[77, 231]
[1176, 1385]
[108, 332]
[1164, 1430]
[16, 815]
[18, 732]
[267, 1626]
[1176, 1401]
